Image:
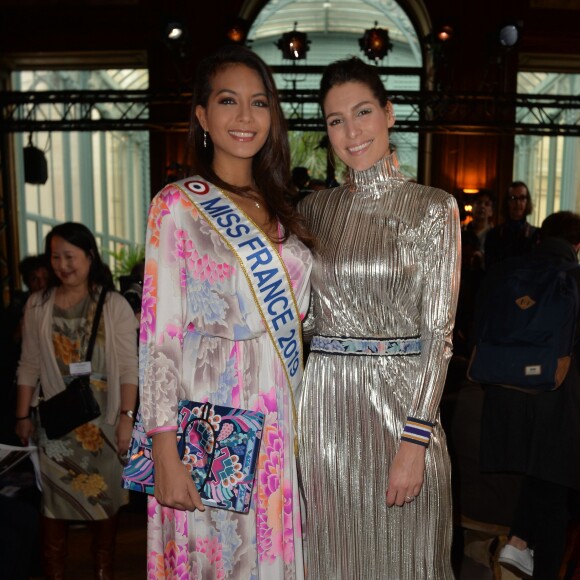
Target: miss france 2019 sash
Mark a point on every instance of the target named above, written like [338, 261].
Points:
[210, 455]
[263, 268]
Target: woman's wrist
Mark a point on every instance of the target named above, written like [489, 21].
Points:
[23, 418]
[128, 413]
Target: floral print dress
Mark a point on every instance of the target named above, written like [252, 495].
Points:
[81, 471]
[202, 339]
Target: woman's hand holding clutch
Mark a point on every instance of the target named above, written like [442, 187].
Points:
[174, 486]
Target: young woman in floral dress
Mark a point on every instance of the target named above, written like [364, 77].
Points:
[203, 337]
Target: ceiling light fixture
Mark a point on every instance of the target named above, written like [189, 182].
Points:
[375, 43]
[445, 33]
[509, 34]
[174, 30]
[294, 45]
[237, 31]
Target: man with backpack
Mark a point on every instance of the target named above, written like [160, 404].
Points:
[531, 413]
[515, 236]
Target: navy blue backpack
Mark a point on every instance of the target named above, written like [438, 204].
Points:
[526, 324]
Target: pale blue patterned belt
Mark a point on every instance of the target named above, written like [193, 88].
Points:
[366, 346]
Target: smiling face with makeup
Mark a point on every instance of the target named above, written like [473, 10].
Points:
[70, 263]
[237, 118]
[357, 124]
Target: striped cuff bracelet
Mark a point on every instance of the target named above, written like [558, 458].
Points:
[417, 431]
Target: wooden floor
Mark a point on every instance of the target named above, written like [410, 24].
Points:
[130, 557]
[130, 554]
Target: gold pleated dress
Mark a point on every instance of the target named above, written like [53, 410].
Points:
[386, 267]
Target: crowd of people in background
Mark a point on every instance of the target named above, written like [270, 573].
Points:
[513, 447]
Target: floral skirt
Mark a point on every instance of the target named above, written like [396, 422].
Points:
[219, 544]
[81, 472]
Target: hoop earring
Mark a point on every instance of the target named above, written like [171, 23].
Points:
[205, 139]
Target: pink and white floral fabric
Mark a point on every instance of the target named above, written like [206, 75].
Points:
[202, 338]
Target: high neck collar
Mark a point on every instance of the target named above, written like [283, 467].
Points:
[385, 169]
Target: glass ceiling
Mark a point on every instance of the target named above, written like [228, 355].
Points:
[336, 16]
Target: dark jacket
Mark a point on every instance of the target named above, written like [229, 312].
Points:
[512, 238]
[537, 435]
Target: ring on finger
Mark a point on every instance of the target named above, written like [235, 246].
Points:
[409, 499]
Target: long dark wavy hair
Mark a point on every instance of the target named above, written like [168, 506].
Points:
[271, 165]
[80, 236]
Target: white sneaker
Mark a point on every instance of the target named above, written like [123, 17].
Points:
[517, 561]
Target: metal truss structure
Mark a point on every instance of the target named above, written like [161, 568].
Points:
[417, 111]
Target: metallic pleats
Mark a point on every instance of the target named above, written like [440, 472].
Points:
[386, 266]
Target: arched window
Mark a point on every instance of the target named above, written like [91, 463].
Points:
[334, 29]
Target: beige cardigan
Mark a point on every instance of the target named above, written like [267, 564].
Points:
[38, 360]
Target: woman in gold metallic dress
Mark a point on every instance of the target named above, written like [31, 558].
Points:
[385, 281]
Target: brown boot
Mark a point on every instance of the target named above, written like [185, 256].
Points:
[104, 534]
[53, 537]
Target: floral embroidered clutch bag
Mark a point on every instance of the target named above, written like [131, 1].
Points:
[219, 446]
